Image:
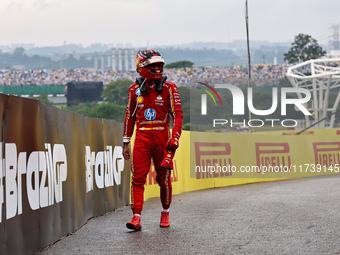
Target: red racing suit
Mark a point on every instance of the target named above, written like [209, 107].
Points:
[151, 112]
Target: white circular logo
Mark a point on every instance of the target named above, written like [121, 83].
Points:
[138, 92]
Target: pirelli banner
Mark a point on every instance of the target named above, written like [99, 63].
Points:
[264, 156]
[57, 169]
[224, 159]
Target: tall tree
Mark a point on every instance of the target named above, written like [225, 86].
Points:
[117, 92]
[180, 64]
[304, 48]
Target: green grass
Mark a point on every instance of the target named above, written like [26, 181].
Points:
[60, 106]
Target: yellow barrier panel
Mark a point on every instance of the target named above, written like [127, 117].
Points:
[303, 155]
[328, 131]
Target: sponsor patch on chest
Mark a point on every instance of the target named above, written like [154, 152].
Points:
[150, 114]
[159, 100]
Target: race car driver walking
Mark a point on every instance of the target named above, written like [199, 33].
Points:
[151, 102]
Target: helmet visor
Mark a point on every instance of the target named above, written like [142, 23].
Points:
[152, 60]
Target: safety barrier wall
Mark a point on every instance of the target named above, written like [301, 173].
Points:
[57, 170]
[314, 152]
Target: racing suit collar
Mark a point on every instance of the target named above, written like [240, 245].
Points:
[151, 85]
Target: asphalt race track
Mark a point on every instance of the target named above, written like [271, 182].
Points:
[283, 217]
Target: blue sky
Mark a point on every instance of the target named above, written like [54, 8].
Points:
[162, 22]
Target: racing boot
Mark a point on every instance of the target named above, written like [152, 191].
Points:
[134, 223]
[165, 222]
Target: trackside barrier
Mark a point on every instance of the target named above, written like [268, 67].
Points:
[316, 152]
[57, 170]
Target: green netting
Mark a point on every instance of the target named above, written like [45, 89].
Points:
[32, 90]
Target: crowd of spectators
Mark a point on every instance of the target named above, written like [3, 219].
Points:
[261, 75]
[59, 77]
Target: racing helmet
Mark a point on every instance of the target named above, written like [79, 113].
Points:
[145, 58]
